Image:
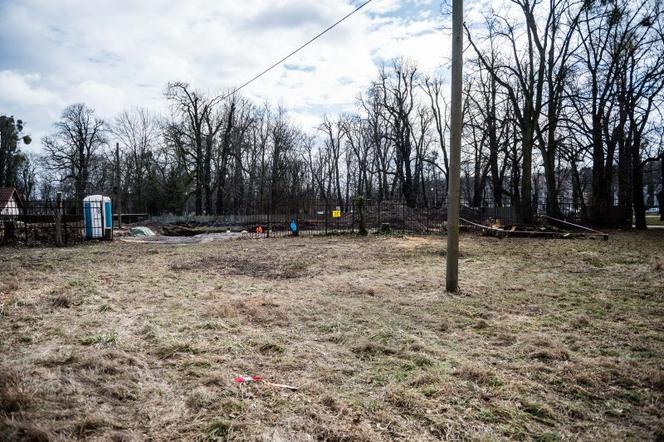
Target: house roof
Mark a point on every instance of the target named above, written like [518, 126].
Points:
[6, 194]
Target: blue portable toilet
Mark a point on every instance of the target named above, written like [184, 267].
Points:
[98, 217]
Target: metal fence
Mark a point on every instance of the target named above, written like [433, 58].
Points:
[321, 218]
[507, 215]
[398, 216]
[38, 222]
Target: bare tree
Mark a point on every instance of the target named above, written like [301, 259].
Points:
[397, 89]
[524, 77]
[138, 133]
[71, 149]
[434, 90]
[621, 50]
[193, 110]
[334, 143]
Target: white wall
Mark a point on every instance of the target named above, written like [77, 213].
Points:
[11, 208]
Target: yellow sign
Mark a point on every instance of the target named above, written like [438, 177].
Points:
[336, 214]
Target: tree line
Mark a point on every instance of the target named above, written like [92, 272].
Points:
[562, 106]
[214, 154]
[572, 88]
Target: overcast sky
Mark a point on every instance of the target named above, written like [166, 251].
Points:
[116, 54]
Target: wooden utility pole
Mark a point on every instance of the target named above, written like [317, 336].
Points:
[118, 189]
[454, 177]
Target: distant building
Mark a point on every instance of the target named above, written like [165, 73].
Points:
[10, 201]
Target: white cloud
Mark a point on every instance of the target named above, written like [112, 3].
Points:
[24, 90]
[24, 96]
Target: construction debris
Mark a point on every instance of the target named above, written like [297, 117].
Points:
[249, 379]
[141, 232]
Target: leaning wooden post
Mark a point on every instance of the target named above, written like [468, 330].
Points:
[58, 220]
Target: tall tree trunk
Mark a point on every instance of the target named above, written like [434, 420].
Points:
[577, 191]
[496, 178]
[526, 206]
[221, 184]
[549, 160]
[478, 182]
[625, 191]
[637, 185]
[199, 181]
[207, 174]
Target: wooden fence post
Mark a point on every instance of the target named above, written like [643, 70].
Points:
[58, 220]
[326, 210]
[269, 224]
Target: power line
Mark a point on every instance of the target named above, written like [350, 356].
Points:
[298, 49]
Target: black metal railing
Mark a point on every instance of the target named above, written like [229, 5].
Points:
[320, 218]
[42, 222]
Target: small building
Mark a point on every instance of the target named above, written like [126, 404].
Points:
[10, 201]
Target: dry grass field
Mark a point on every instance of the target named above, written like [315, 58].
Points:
[548, 340]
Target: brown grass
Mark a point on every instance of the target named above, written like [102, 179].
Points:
[547, 340]
[476, 373]
[544, 348]
[13, 396]
[61, 301]
[266, 267]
